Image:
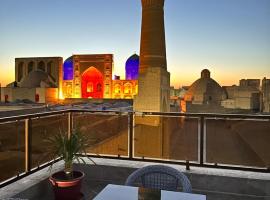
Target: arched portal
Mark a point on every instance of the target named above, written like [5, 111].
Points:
[92, 83]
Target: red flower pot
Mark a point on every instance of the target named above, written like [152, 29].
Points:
[67, 189]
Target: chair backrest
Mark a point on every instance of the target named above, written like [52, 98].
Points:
[159, 177]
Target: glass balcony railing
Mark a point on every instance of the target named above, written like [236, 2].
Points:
[107, 132]
[243, 142]
[12, 149]
[206, 140]
[41, 129]
[166, 137]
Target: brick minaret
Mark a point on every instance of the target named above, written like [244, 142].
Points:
[154, 80]
[153, 48]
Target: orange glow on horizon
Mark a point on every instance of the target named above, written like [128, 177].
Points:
[187, 80]
[6, 78]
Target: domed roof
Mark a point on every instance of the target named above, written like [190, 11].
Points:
[133, 57]
[37, 79]
[205, 90]
[132, 67]
[69, 59]
[68, 68]
[205, 73]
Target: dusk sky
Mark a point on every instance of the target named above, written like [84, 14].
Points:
[229, 37]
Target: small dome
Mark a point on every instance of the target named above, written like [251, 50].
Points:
[37, 79]
[205, 90]
[132, 67]
[134, 57]
[68, 68]
[205, 73]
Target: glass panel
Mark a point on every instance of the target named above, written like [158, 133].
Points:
[42, 129]
[108, 133]
[238, 142]
[166, 137]
[12, 149]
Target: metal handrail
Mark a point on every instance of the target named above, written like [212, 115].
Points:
[176, 114]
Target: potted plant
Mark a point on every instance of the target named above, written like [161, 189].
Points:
[67, 184]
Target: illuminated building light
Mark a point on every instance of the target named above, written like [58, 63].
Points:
[92, 83]
[68, 69]
[127, 88]
[90, 87]
[132, 67]
[60, 95]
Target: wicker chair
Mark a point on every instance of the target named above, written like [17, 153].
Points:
[159, 177]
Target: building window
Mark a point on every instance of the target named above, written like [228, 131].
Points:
[37, 98]
[107, 89]
[20, 71]
[68, 90]
[99, 87]
[117, 89]
[89, 87]
[49, 68]
[41, 66]
[30, 67]
[6, 98]
[127, 88]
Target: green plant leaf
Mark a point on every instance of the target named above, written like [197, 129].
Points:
[68, 148]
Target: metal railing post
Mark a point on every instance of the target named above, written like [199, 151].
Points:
[28, 144]
[130, 128]
[201, 140]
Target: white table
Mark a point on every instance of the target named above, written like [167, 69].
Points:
[121, 192]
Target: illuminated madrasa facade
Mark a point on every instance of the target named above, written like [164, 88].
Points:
[90, 76]
[48, 79]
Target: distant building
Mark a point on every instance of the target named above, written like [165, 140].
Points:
[266, 95]
[204, 95]
[205, 91]
[177, 92]
[176, 96]
[243, 97]
[36, 79]
[88, 76]
[48, 66]
[250, 83]
[246, 96]
[47, 79]
[128, 88]
[124, 89]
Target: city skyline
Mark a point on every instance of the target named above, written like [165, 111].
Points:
[230, 38]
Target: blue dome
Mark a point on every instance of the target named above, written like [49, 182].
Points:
[68, 68]
[132, 67]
